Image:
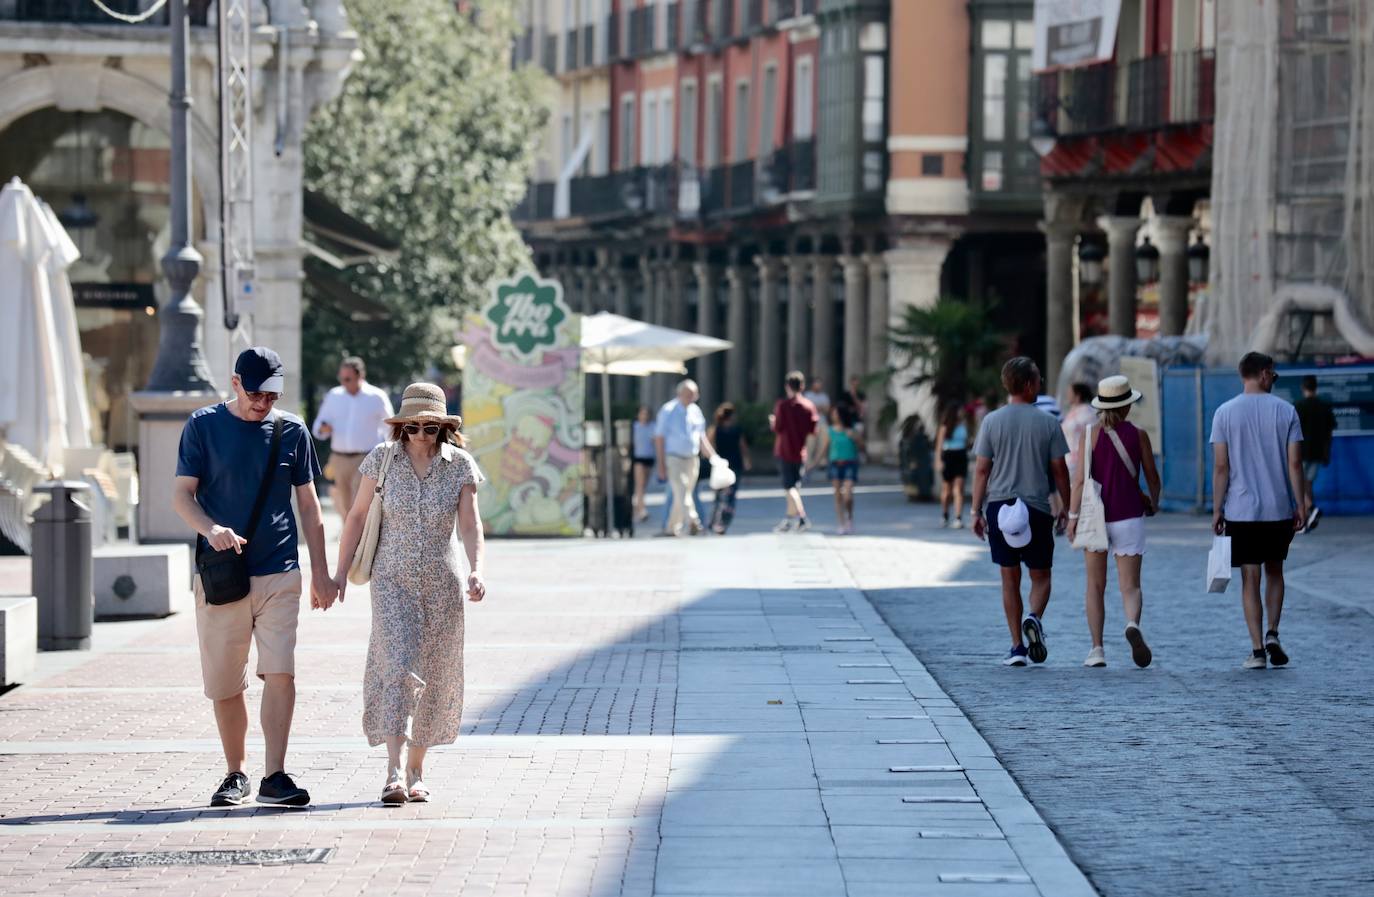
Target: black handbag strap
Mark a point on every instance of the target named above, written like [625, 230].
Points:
[267, 478]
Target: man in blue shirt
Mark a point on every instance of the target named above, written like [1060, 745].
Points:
[679, 440]
[220, 466]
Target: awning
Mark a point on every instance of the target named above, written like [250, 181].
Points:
[337, 238]
[324, 287]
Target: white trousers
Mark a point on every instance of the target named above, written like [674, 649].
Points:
[682, 477]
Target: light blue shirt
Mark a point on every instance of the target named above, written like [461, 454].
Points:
[1257, 430]
[681, 427]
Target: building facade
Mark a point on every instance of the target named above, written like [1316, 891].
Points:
[84, 121]
[787, 174]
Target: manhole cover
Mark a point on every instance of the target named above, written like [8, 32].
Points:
[129, 859]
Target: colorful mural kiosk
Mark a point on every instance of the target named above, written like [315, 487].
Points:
[523, 408]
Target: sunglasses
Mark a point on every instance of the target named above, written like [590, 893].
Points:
[258, 398]
[414, 429]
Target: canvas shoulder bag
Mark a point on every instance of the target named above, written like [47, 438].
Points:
[224, 574]
[360, 570]
[1091, 534]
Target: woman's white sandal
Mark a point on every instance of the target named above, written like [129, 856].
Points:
[394, 791]
[415, 787]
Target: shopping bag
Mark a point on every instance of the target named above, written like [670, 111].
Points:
[722, 477]
[1219, 565]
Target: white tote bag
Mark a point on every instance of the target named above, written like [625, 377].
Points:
[722, 477]
[1219, 565]
[1091, 534]
[360, 571]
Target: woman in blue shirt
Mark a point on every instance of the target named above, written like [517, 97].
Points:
[951, 453]
[841, 444]
[642, 451]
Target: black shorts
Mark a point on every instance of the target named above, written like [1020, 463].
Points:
[646, 462]
[954, 465]
[1037, 554]
[1259, 542]
[791, 473]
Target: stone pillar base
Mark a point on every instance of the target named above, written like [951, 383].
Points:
[161, 417]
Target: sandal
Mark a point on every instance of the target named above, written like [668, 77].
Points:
[415, 787]
[394, 792]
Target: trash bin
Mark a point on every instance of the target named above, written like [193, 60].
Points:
[62, 567]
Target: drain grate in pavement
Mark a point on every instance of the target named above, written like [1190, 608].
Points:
[129, 859]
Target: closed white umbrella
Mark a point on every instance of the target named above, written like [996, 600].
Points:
[614, 344]
[43, 407]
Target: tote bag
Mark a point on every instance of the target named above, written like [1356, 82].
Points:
[1091, 534]
[360, 571]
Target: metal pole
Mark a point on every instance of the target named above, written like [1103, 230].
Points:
[606, 447]
[180, 365]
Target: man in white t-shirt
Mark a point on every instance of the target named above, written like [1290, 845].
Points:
[1257, 496]
[351, 417]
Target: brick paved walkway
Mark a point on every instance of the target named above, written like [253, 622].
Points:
[698, 717]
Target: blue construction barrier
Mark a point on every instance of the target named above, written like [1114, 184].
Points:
[1189, 396]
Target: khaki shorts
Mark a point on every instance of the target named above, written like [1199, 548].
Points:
[268, 613]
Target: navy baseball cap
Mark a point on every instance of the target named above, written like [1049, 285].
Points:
[260, 370]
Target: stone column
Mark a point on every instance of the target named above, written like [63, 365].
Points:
[1059, 247]
[823, 323]
[1171, 239]
[737, 331]
[914, 267]
[769, 359]
[855, 319]
[879, 326]
[676, 313]
[798, 321]
[1121, 298]
[708, 366]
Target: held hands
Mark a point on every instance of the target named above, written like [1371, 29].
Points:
[323, 592]
[341, 583]
[222, 538]
[477, 589]
[1061, 522]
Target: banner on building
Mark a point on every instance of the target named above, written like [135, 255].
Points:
[1074, 32]
[523, 408]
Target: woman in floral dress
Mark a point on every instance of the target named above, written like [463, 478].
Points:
[413, 686]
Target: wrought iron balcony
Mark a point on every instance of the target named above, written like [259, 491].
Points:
[1141, 95]
[84, 12]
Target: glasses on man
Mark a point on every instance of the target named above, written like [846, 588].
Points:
[415, 429]
[261, 398]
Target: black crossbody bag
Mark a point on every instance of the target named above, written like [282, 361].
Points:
[224, 574]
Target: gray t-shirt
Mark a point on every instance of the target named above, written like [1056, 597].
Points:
[1257, 429]
[1021, 440]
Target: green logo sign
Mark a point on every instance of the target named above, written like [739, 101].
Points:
[526, 313]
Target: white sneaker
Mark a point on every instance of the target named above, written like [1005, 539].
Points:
[1255, 663]
[957, 524]
[1096, 657]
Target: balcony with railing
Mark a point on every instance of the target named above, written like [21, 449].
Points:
[1141, 95]
[633, 191]
[84, 12]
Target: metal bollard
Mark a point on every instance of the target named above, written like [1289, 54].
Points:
[62, 567]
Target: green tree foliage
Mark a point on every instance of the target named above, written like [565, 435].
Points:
[429, 142]
[947, 345]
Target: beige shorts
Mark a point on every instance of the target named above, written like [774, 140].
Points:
[268, 613]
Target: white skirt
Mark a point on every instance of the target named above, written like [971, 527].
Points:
[1126, 537]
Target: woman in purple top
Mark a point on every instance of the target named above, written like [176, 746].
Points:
[1120, 452]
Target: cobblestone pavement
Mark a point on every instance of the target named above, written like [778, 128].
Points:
[696, 717]
[1190, 777]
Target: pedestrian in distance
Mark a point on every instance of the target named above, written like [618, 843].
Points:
[351, 418]
[1257, 496]
[239, 465]
[679, 443]
[642, 446]
[1120, 453]
[1318, 425]
[794, 421]
[841, 445]
[413, 682]
[1020, 457]
[726, 434]
[951, 457]
[1076, 421]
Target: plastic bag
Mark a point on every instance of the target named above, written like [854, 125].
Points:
[1219, 565]
[722, 477]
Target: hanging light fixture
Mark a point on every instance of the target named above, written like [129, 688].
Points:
[1090, 256]
[78, 215]
[1199, 259]
[1146, 262]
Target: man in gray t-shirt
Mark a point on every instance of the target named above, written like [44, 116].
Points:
[1019, 451]
[1257, 496]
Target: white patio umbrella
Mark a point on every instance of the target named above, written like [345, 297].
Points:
[614, 344]
[43, 409]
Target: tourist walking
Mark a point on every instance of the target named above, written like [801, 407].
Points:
[413, 682]
[951, 456]
[1115, 453]
[1076, 421]
[1020, 457]
[1318, 426]
[642, 455]
[1257, 497]
[679, 443]
[841, 445]
[351, 418]
[238, 466]
[793, 422]
[727, 436]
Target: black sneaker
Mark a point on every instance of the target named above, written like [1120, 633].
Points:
[1313, 518]
[1034, 634]
[279, 789]
[233, 791]
[1277, 656]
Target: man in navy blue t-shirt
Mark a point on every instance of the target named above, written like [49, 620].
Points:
[220, 467]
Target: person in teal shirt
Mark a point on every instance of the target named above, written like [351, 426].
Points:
[841, 445]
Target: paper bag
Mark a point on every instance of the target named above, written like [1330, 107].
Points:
[1219, 564]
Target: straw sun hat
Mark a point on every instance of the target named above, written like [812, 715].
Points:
[424, 402]
[1115, 392]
